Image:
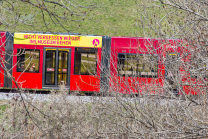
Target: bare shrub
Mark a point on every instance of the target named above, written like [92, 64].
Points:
[154, 113]
[108, 117]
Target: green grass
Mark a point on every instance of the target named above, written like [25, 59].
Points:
[3, 108]
[89, 58]
[112, 18]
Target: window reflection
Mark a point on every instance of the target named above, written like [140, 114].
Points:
[28, 60]
[137, 65]
[85, 62]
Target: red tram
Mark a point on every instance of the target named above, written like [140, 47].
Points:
[87, 62]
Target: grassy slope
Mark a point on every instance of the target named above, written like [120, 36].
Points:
[113, 18]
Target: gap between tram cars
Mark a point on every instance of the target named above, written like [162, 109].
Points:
[44, 61]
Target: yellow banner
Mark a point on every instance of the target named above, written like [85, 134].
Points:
[58, 40]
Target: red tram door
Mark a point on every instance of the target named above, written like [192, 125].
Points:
[56, 67]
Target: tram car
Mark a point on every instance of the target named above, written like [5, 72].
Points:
[38, 60]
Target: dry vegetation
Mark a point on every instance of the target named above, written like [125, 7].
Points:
[146, 117]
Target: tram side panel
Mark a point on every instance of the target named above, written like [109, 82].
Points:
[174, 60]
[32, 60]
[194, 79]
[179, 52]
[28, 59]
[85, 75]
[129, 71]
[91, 68]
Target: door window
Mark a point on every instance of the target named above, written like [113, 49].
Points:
[62, 67]
[50, 67]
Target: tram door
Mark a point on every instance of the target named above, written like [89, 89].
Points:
[56, 67]
[171, 72]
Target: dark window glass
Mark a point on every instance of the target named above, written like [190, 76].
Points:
[85, 61]
[50, 64]
[62, 67]
[137, 65]
[28, 60]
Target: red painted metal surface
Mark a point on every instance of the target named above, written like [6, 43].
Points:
[2, 50]
[129, 85]
[84, 83]
[117, 83]
[28, 80]
[190, 85]
[135, 84]
[34, 80]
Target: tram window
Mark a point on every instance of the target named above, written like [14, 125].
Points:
[137, 65]
[85, 62]
[28, 60]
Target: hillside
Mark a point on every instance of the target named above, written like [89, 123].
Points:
[110, 17]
